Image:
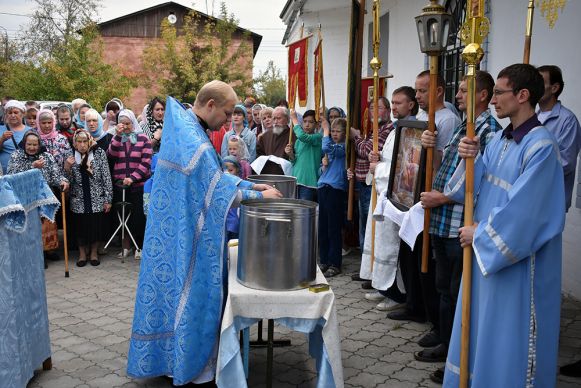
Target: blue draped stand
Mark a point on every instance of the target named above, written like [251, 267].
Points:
[24, 338]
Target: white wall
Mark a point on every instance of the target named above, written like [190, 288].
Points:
[335, 32]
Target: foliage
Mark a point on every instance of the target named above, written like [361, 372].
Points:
[270, 85]
[80, 73]
[185, 59]
[53, 24]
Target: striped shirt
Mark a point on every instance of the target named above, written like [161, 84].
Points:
[445, 220]
[364, 146]
[131, 160]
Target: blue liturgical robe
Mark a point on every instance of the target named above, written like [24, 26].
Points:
[516, 270]
[180, 291]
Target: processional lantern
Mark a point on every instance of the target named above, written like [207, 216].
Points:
[433, 26]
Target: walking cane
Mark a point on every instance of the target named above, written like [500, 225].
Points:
[66, 246]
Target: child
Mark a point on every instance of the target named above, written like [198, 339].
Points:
[237, 148]
[332, 191]
[306, 155]
[30, 118]
[232, 166]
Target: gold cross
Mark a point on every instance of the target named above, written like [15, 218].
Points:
[550, 10]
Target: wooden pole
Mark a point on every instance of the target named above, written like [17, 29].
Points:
[529, 32]
[429, 157]
[375, 65]
[474, 31]
[65, 242]
[354, 91]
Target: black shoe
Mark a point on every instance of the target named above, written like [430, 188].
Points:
[332, 271]
[430, 340]
[366, 285]
[437, 376]
[52, 256]
[323, 267]
[357, 278]
[95, 262]
[435, 354]
[572, 370]
[404, 315]
[81, 263]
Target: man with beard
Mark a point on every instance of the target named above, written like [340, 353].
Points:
[65, 125]
[274, 142]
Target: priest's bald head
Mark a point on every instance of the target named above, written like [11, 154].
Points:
[215, 103]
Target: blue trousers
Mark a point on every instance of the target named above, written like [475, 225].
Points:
[306, 193]
[364, 198]
[331, 209]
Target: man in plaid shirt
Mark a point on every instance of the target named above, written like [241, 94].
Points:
[447, 216]
[363, 147]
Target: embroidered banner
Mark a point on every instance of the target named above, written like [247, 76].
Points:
[318, 79]
[367, 100]
[297, 72]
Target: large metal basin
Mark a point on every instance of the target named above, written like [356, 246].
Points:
[287, 185]
[277, 245]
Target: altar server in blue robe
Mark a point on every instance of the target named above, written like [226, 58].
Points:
[516, 240]
[181, 288]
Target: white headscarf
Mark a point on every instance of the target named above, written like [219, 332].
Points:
[15, 104]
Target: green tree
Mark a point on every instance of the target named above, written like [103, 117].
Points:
[270, 85]
[80, 73]
[205, 48]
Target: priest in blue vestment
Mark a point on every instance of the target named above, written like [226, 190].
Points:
[181, 289]
[516, 273]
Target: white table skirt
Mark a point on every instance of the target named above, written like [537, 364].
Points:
[300, 310]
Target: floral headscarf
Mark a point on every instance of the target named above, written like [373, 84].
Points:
[85, 161]
[46, 113]
[150, 125]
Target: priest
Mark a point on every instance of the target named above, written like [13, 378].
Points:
[181, 288]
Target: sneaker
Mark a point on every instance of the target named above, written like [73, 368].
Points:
[323, 267]
[124, 253]
[332, 271]
[374, 296]
[388, 305]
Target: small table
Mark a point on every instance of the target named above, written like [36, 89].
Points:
[300, 310]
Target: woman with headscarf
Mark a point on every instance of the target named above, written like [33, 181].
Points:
[240, 129]
[94, 124]
[112, 108]
[80, 115]
[12, 132]
[153, 122]
[56, 144]
[32, 154]
[131, 153]
[65, 124]
[91, 195]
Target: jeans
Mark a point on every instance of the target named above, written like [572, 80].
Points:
[331, 209]
[448, 254]
[364, 198]
[306, 193]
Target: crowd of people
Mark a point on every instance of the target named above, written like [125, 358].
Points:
[95, 156]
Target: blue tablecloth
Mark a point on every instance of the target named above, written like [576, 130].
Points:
[24, 335]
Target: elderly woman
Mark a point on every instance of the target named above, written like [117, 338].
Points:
[266, 122]
[91, 195]
[94, 124]
[153, 122]
[12, 132]
[131, 153]
[32, 154]
[56, 144]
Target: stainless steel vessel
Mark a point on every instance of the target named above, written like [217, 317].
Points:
[287, 185]
[277, 248]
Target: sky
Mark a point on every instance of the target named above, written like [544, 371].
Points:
[259, 16]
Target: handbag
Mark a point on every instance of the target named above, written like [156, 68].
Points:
[50, 240]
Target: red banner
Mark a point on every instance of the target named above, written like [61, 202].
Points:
[319, 84]
[366, 99]
[297, 72]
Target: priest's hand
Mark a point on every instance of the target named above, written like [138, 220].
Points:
[434, 198]
[429, 139]
[467, 235]
[469, 148]
[261, 187]
[271, 194]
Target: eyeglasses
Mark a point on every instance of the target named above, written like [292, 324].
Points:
[498, 92]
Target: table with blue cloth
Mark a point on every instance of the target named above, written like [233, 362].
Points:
[301, 310]
[24, 338]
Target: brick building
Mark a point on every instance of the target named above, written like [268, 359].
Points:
[126, 37]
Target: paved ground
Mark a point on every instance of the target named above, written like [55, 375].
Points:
[91, 313]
